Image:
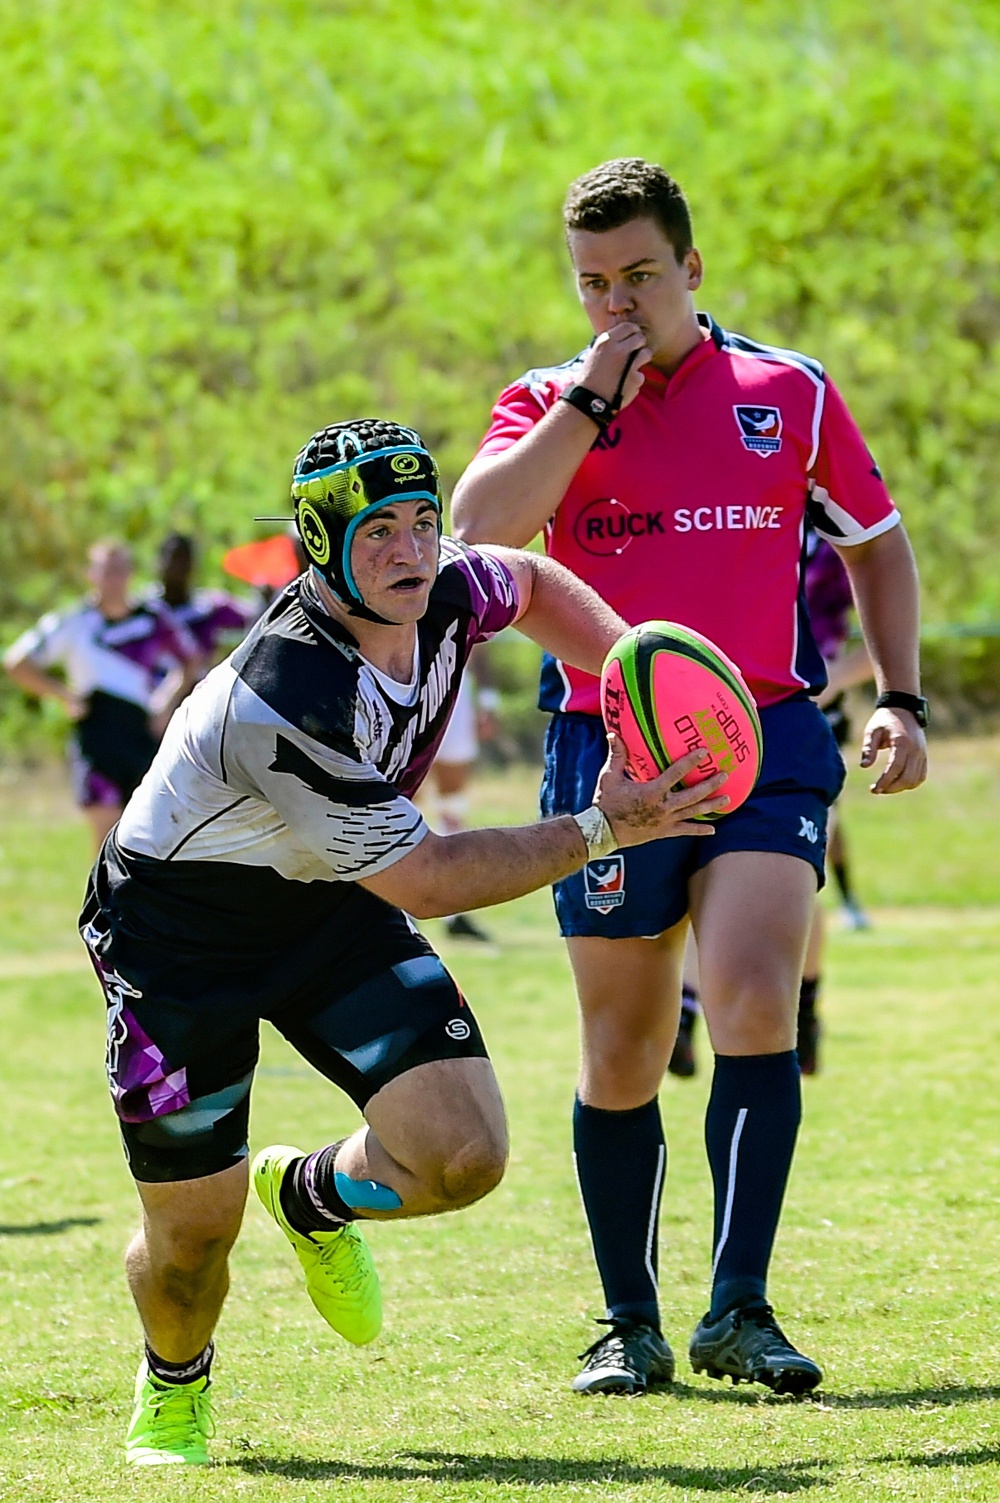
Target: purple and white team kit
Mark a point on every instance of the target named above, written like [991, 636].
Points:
[114, 667]
[228, 891]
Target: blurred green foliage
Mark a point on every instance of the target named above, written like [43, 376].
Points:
[226, 225]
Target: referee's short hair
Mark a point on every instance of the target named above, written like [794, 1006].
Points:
[627, 188]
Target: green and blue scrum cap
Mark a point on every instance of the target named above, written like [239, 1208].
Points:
[343, 474]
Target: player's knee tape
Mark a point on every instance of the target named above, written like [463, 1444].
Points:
[206, 1136]
[366, 1194]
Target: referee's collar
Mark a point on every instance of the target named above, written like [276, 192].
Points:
[661, 385]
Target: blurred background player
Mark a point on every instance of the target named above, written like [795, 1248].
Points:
[829, 602]
[110, 649]
[214, 618]
[473, 720]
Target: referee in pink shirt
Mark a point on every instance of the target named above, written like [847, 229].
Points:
[673, 465]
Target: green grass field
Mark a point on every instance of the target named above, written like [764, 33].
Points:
[885, 1267]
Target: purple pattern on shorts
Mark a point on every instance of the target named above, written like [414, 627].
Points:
[143, 1085]
[96, 789]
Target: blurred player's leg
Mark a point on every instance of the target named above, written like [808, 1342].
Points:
[809, 1026]
[629, 998]
[682, 1061]
[752, 911]
[854, 915]
[451, 780]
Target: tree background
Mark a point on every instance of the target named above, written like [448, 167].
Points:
[226, 226]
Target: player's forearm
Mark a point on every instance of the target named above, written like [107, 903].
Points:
[509, 497]
[569, 619]
[477, 868]
[884, 579]
[34, 680]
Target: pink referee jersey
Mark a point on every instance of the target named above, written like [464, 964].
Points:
[692, 506]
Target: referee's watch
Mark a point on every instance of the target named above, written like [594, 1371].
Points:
[894, 699]
[591, 404]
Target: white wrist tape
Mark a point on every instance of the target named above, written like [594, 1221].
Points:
[597, 833]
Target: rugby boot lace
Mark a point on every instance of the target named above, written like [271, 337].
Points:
[613, 1339]
[344, 1260]
[183, 1418]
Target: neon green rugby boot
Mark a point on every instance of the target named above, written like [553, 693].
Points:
[340, 1274]
[171, 1423]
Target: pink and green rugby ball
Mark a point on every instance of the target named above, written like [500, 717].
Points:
[666, 689]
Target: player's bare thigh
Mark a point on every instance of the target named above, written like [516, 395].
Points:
[629, 991]
[751, 912]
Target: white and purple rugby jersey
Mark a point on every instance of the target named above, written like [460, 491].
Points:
[295, 755]
[120, 658]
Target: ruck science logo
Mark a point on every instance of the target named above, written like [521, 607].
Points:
[607, 526]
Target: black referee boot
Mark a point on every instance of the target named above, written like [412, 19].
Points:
[630, 1359]
[748, 1345]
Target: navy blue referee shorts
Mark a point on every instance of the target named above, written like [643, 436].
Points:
[644, 890]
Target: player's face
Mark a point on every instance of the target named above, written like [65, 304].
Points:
[631, 275]
[394, 559]
[109, 569]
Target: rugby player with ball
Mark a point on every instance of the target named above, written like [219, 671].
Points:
[267, 867]
[672, 465]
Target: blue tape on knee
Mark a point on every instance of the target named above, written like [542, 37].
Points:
[366, 1194]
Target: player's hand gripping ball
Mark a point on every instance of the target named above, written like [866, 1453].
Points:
[666, 689]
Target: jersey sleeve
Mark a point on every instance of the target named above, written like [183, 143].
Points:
[516, 411]
[342, 808]
[45, 643]
[848, 499]
[493, 594]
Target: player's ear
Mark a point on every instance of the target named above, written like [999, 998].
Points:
[695, 269]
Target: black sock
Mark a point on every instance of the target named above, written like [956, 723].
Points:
[808, 995]
[309, 1196]
[180, 1372]
[750, 1129]
[621, 1159]
[842, 875]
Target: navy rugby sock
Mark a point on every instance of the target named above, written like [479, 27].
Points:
[180, 1372]
[621, 1159]
[309, 1196]
[750, 1129]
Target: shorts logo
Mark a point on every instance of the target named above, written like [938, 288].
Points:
[604, 883]
[808, 830]
[760, 429]
[457, 1028]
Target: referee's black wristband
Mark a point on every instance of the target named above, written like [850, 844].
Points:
[597, 408]
[895, 699]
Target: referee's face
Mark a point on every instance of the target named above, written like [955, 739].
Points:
[632, 275]
[394, 559]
